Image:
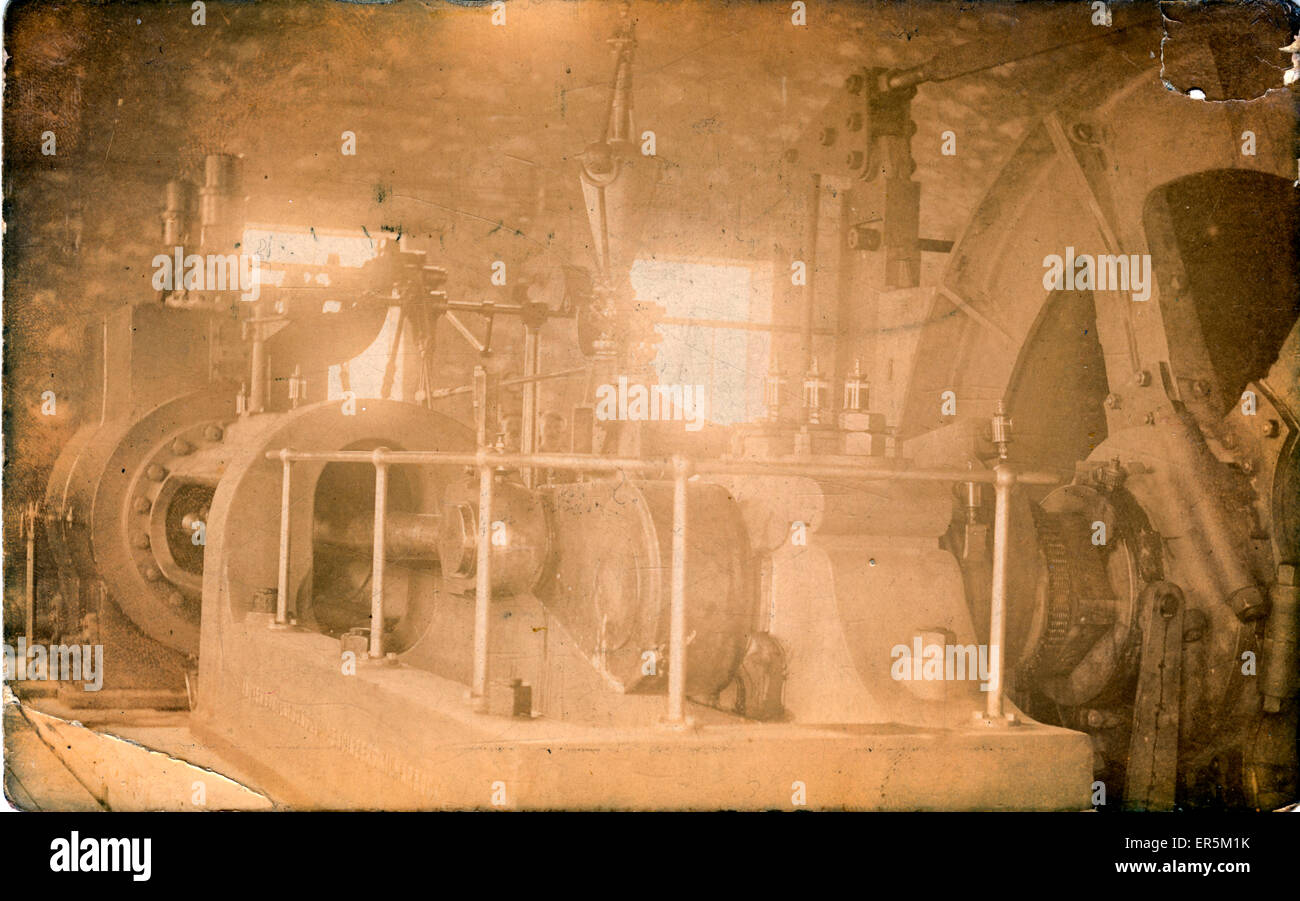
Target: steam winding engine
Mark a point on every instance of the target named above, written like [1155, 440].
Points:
[1094, 495]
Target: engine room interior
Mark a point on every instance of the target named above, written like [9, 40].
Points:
[652, 406]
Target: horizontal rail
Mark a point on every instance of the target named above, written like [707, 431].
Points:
[657, 466]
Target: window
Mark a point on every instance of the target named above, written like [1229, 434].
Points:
[697, 345]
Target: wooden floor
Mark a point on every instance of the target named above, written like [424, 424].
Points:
[144, 761]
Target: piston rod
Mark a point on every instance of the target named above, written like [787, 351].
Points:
[407, 536]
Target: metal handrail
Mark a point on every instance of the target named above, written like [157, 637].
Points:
[680, 468]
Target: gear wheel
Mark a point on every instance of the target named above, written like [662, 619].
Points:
[1078, 602]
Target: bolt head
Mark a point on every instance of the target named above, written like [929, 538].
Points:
[1168, 606]
[155, 472]
[1270, 428]
[1142, 377]
[181, 447]
[827, 136]
[141, 505]
[1113, 402]
[854, 160]
[213, 433]
[140, 540]
[854, 84]
[1249, 604]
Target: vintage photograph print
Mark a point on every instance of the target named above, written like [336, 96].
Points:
[586, 405]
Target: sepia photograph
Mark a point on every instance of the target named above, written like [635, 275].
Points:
[664, 405]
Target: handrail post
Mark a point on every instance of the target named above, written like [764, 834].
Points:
[377, 561]
[528, 443]
[677, 611]
[30, 517]
[482, 586]
[282, 576]
[1003, 485]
